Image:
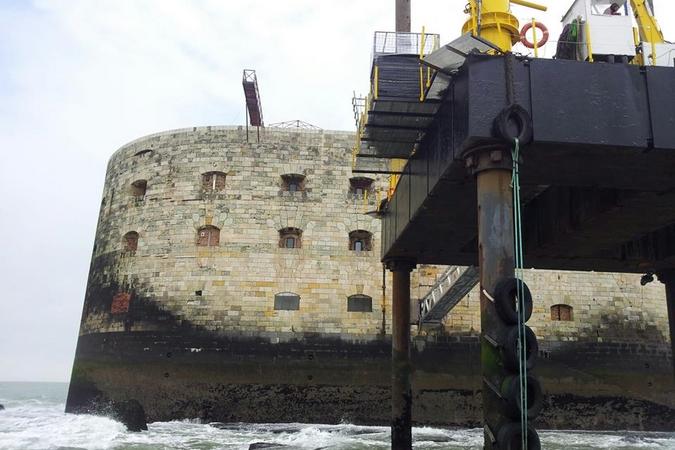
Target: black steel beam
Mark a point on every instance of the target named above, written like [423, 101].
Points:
[597, 174]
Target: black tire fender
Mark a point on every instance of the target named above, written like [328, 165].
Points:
[510, 348]
[510, 391]
[514, 114]
[505, 295]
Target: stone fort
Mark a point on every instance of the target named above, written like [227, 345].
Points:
[237, 280]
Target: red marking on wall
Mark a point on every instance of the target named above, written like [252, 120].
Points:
[120, 303]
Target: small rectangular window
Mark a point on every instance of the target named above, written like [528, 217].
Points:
[359, 303]
[287, 301]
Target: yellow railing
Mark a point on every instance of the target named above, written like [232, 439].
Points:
[534, 38]
[425, 75]
[376, 82]
[589, 44]
[530, 5]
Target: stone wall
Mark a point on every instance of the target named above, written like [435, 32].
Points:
[231, 287]
[606, 308]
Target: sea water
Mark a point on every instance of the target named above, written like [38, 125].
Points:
[34, 419]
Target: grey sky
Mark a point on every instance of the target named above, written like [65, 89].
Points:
[80, 78]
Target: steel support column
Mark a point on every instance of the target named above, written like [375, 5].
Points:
[496, 260]
[402, 15]
[667, 277]
[401, 367]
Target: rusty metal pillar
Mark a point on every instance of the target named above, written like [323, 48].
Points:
[496, 257]
[402, 16]
[667, 277]
[401, 367]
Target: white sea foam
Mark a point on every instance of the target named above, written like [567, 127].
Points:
[37, 421]
[40, 425]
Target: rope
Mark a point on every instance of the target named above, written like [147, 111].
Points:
[520, 305]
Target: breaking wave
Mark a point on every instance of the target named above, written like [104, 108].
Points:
[34, 419]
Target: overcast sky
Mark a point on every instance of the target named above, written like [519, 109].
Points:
[80, 78]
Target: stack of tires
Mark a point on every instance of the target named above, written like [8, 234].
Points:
[509, 435]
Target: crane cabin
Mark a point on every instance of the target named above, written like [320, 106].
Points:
[622, 31]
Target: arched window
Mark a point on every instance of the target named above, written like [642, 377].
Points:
[138, 189]
[359, 303]
[358, 186]
[293, 182]
[290, 238]
[360, 241]
[561, 312]
[213, 181]
[289, 301]
[130, 241]
[208, 236]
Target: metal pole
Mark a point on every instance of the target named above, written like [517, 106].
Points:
[667, 277]
[401, 368]
[403, 16]
[497, 24]
[384, 298]
[496, 261]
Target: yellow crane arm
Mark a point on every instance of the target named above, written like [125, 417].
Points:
[647, 24]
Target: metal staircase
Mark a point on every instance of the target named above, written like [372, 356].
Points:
[454, 285]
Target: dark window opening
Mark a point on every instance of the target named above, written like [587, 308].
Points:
[359, 187]
[130, 241]
[213, 181]
[562, 313]
[287, 301]
[360, 241]
[290, 238]
[198, 293]
[359, 303]
[208, 236]
[144, 152]
[293, 182]
[138, 189]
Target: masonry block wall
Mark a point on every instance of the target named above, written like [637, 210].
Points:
[605, 308]
[230, 287]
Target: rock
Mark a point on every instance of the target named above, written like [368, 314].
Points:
[2, 407]
[131, 414]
